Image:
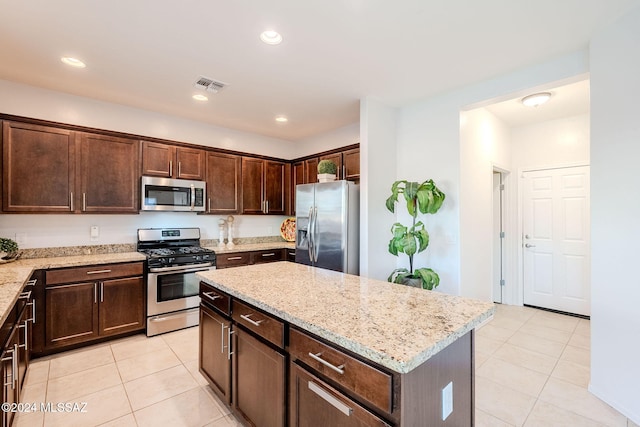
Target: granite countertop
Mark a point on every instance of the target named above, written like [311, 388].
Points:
[397, 326]
[14, 275]
[248, 247]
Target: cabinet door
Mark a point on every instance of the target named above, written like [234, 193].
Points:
[215, 354]
[351, 164]
[315, 403]
[297, 177]
[9, 376]
[252, 185]
[38, 168]
[24, 332]
[71, 313]
[223, 183]
[189, 163]
[311, 170]
[259, 381]
[274, 187]
[157, 159]
[109, 174]
[337, 159]
[121, 305]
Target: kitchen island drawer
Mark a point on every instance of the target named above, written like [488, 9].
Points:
[367, 382]
[215, 298]
[233, 259]
[266, 326]
[93, 273]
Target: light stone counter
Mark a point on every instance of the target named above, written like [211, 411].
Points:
[248, 247]
[397, 326]
[14, 275]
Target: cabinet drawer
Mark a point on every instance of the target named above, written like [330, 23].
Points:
[92, 273]
[233, 259]
[267, 256]
[213, 297]
[367, 382]
[265, 325]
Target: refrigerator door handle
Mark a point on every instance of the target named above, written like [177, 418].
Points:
[310, 235]
[315, 229]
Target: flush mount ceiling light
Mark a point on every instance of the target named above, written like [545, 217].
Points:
[281, 119]
[199, 97]
[74, 62]
[271, 37]
[536, 99]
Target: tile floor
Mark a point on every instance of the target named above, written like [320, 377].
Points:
[532, 369]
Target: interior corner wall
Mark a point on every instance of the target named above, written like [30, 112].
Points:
[615, 226]
[337, 138]
[377, 173]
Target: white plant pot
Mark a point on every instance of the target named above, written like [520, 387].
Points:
[326, 177]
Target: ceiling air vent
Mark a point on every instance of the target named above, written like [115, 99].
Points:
[210, 85]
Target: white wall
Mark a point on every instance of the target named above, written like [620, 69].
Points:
[337, 138]
[615, 219]
[484, 142]
[377, 173]
[70, 230]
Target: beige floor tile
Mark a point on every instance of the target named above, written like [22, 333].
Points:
[495, 332]
[229, 421]
[546, 332]
[485, 420]
[538, 344]
[554, 320]
[515, 312]
[487, 345]
[38, 371]
[193, 367]
[156, 387]
[192, 408]
[80, 360]
[221, 406]
[34, 393]
[577, 355]
[31, 419]
[137, 345]
[583, 328]
[145, 364]
[513, 376]
[69, 387]
[504, 403]
[572, 372]
[526, 358]
[578, 400]
[480, 358]
[581, 341]
[184, 343]
[547, 415]
[126, 421]
[507, 322]
[102, 406]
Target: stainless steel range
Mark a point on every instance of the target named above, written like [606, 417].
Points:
[174, 256]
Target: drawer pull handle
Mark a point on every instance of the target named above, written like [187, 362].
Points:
[316, 357]
[233, 258]
[229, 352]
[32, 282]
[25, 295]
[253, 322]
[210, 296]
[330, 399]
[269, 254]
[98, 271]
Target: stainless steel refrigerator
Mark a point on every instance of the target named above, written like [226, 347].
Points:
[327, 225]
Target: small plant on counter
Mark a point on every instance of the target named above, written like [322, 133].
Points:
[7, 247]
[327, 170]
[425, 198]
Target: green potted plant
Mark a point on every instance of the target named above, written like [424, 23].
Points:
[327, 170]
[423, 198]
[8, 247]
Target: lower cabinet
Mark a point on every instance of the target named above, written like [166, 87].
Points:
[315, 403]
[215, 352]
[238, 259]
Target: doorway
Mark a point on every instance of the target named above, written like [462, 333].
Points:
[498, 238]
[556, 239]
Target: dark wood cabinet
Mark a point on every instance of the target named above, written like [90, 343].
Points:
[337, 159]
[38, 168]
[351, 164]
[9, 373]
[215, 353]
[86, 303]
[263, 186]
[270, 255]
[109, 174]
[258, 381]
[223, 183]
[311, 170]
[238, 259]
[170, 161]
[298, 176]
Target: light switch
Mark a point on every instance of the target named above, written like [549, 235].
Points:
[447, 401]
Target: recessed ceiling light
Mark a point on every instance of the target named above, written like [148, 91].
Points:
[281, 119]
[271, 37]
[74, 62]
[199, 97]
[536, 99]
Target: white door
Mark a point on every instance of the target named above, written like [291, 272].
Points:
[498, 249]
[556, 239]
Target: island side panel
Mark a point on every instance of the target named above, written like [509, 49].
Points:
[421, 388]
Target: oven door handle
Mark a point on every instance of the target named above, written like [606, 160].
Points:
[182, 269]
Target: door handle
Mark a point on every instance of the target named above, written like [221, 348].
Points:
[529, 245]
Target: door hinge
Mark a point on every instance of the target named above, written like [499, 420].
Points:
[502, 234]
[501, 282]
[501, 187]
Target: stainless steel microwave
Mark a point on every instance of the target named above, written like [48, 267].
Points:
[177, 195]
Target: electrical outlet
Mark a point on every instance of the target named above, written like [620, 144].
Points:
[447, 401]
[95, 232]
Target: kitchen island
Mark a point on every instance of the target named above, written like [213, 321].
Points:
[347, 349]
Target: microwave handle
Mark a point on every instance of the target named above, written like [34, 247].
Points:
[193, 197]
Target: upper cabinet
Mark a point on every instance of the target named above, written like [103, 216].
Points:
[263, 186]
[335, 158]
[351, 164]
[170, 161]
[48, 169]
[223, 183]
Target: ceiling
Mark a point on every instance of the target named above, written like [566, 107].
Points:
[148, 53]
